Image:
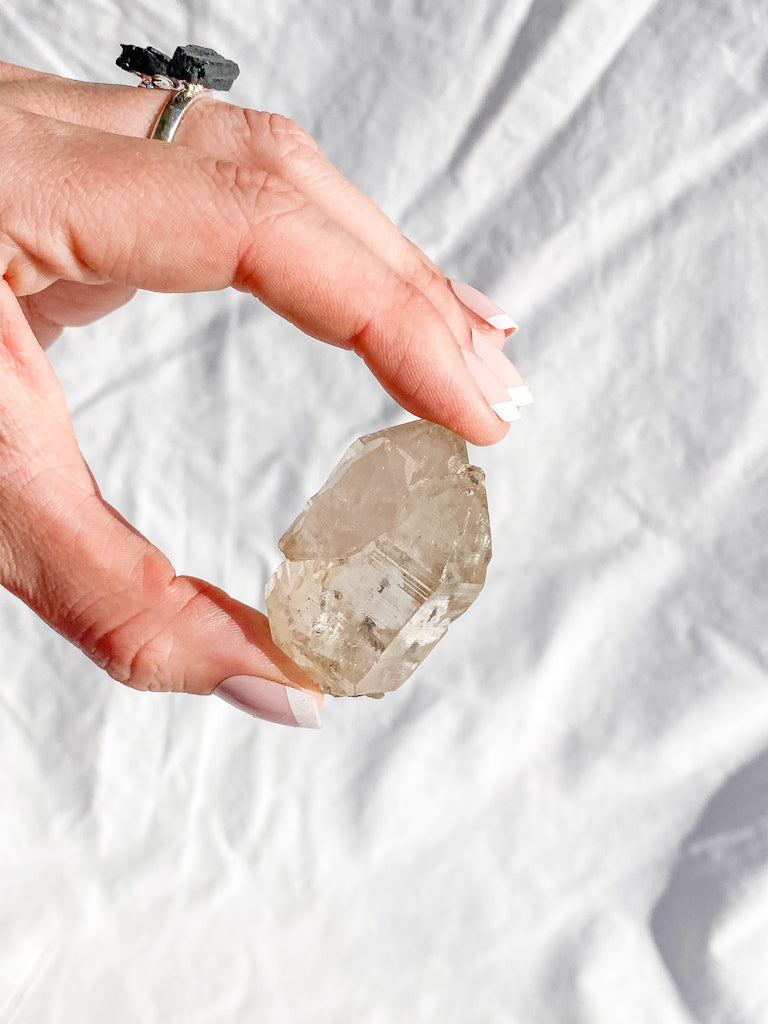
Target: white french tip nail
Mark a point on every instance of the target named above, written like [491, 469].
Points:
[270, 700]
[520, 395]
[502, 322]
[506, 411]
[304, 708]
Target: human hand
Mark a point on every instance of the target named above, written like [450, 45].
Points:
[90, 211]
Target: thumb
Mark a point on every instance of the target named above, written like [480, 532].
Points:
[73, 559]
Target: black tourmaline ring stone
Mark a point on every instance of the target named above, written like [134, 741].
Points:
[197, 65]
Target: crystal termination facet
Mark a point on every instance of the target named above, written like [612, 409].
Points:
[382, 559]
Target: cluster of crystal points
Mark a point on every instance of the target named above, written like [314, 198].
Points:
[382, 559]
[191, 63]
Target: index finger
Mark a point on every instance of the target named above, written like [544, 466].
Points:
[168, 218]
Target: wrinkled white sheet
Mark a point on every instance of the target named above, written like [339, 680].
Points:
[563, 818]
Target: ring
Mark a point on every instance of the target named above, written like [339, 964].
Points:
[191, 72]
[169, 117]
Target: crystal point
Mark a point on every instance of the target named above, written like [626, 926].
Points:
[381, 560]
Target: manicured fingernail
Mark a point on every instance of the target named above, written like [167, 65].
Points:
[520, 395]
[494, 391]
[264, 698]
[502, 368]
[483, 306]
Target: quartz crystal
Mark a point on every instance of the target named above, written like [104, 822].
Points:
[381, 560]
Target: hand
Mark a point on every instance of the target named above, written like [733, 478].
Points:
[90, 211]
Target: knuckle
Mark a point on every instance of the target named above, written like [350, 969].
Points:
[156, 650]
[135, 658]
[399, 302]
[406, 296]
[255, 128]
[128, 632]
[254, 189]
[421, 272]
[287, 133]
[229, 176]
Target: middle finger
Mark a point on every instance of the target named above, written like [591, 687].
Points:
[253, 138]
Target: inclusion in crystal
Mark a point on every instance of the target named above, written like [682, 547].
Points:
[382, 559]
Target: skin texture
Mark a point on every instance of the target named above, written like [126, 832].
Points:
[87, 216]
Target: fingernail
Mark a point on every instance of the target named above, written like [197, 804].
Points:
[484, 307]
[520, 395]
[492, 388]
[264, 698]
[502, 368]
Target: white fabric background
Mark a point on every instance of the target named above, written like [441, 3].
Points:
[564, 816]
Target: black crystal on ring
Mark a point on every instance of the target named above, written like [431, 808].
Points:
[198, 65]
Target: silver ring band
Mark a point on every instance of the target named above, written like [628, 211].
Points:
[169, 117]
